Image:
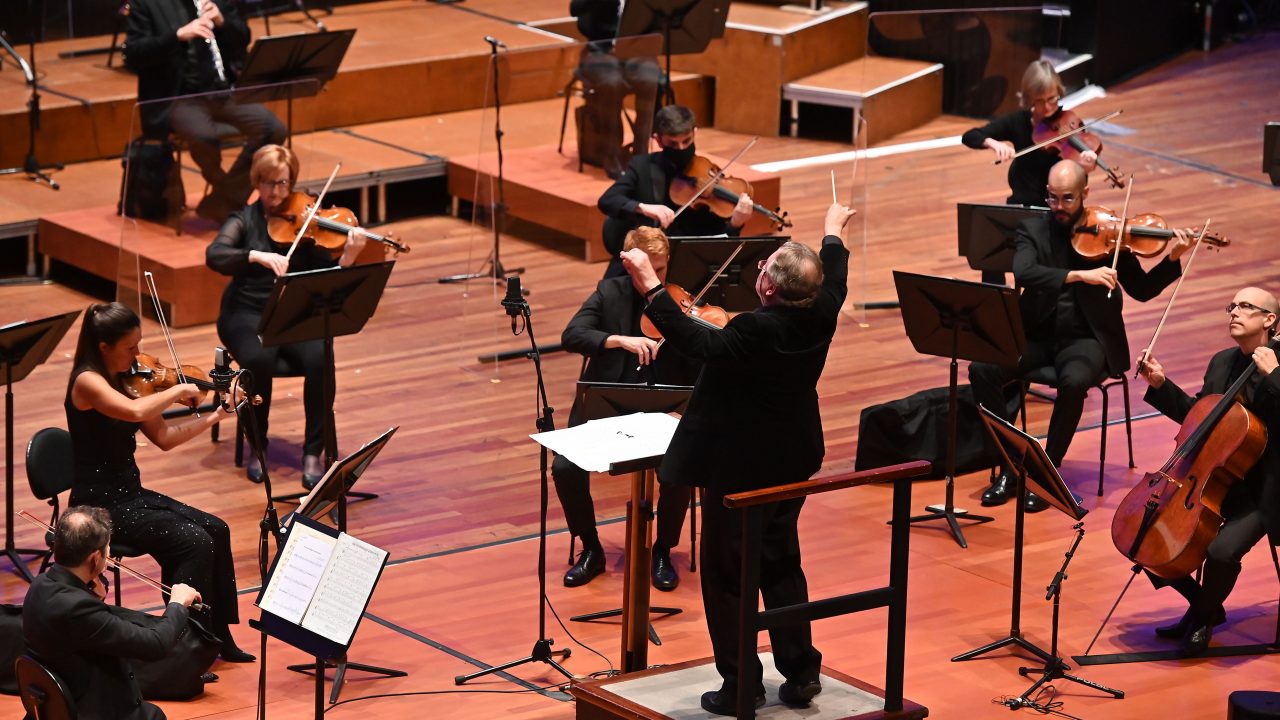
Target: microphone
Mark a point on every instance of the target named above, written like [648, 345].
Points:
[495, 42]
[514, 302]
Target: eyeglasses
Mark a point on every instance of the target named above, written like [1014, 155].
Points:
[1248, 307]
[275, 183]
[760, 264]
[1051, 101]
[1059, 200]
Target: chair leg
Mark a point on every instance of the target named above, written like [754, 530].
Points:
[116, 571]
[572, 541]
[1102, 451]
[239, 442]
[564, 116]
[1128, 420]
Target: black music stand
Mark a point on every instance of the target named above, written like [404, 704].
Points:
[322, 305]
[278, 66]
[686, 26]
[600, 400]
[1025, 456]
[958, 319]
[31, 166]
[23, 346]
[695, 259]
[325, 650]
[986, 233]
[330, 491]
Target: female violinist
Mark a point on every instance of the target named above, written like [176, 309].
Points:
[642, 194]
[1251, 507]
[191, 546]
[244, 251]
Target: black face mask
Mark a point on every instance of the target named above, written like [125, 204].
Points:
[678, 159]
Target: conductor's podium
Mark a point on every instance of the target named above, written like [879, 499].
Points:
[672, 692]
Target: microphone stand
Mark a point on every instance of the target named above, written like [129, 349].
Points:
[498, 214]
[517, 306]
[31, 166]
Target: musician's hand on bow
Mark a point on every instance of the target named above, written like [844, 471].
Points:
[201, 27]
[663, 214]
[636, 262]
[184, 595]
[645, 349]
[1184, 239]
[275, 262]
[1002, 148]
[1104, 276]
[742, 211]
[1151, 370]
[1088, 160]
[210, 10]
[837, 217]
[1265, 358]
[356, 239]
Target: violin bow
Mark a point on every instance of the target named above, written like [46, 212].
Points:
[714, 276]
[311, 214]
[164, 330]
[1067, 134]
[1146, 352]
[714, 178]
[1124, 218]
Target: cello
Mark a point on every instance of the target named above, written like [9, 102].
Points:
[1166, 522]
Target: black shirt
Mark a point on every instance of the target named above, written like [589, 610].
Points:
[1028, 174]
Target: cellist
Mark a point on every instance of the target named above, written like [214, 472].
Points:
[1251, 509]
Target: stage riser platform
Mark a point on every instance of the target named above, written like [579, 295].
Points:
[545, 188]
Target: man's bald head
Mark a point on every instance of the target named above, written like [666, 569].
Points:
[1251, 317]
[1065, 192]
[1068, 176]
[1258, 297]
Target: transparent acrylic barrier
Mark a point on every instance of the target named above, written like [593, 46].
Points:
[160, 229]
[934, 74]
[568, 113]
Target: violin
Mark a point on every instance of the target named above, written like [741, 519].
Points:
[1166, 522]
[328, 229]
[710, 314]
[1064, 133]
[149, 376]
[1145, 235]
[722, 197]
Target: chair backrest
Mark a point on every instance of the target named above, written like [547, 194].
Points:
[43, 693]
[50, 465]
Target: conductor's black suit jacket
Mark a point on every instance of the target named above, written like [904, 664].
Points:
[753, 420]
[86, 642]
[614, 309]
[153, 51]
[1260, 487]
[1043, 257]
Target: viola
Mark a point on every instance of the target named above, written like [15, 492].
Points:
[149, 376]
[328, 229]
[722, 197]
[1145, 235]
[709, 314]
[1064, 133]
[1166, 522]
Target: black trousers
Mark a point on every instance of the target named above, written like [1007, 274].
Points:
[238, 330]
[1239, 533]
[782, 582]
[1080, 363]
[606, 81]
[195, 119]
[573, 487]
[191, 546]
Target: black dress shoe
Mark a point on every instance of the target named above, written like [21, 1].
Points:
[1033, 503]
[1180, 628]
[590, 564]
[1000, 491]
[253, 471]
[209, 677]
[798, 694]
[309, 481]
[664, 572]
[721, 702]
[1195, 642]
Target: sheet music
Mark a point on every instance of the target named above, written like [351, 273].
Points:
[345, 588]
[594, 445]
[298, 572]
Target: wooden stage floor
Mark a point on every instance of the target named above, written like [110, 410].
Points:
[459, 481]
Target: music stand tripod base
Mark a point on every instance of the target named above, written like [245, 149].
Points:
[952, 515]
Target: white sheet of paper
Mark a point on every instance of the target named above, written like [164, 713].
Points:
[297, 575]
[594, 445]
[347, 583]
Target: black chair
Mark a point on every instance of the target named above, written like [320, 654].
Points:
[51, 471]
[1048, 376]
[284, 368]
[44, 695]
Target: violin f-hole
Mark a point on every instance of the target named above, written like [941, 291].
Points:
[1191, 489]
